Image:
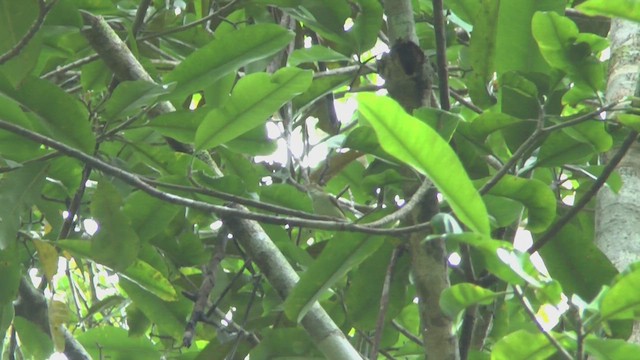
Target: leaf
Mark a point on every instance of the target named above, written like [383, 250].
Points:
[61, 116]
[131, 96]
[58, 314]
[534, 194]
[141, 273]
[115, 244]
[180, 125]
[342, 253]
[482, 49]
[148, 215]
[35, 343]
[406, 137]
[169, 317]
[225, 55]
[523, 345]
[622, 301]
[610, 349]
[254, 98]
[313, 54]
[19, 190]
[626, 9]
[16, 17]
[460, 296]
[114, 343]
[555, 34]
[10, 274]
[48, 256]
[516, 49]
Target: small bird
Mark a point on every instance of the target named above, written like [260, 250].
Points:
[323, 203]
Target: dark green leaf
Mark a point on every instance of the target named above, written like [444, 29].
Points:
[115, 244]
[523, 345]
[131, 96]
[341, 254]
[115, 343]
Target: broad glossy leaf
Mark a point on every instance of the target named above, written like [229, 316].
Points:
[115, 244]
[114, 343]
[460, 296]
[523, 345]
[35, 343]
[19, 190]
[368, 279]
[466, 10]
[48, 256]
[254, 98]
[12, 146]
[131, 96]
[572, 258]
[625, 9]
[254, 142]
[611, 349]
[482, 48]
[313, 54]
[516, 49]
[139, 272]
[555, 35]
[418, 145]
[180, 125]
[148, 215]
[501, 258]
[6, 318]
[559, 149]
[16, 17]
[170, 317]
[226, 54]
[10, 274]
[622, 301]
[536, 196]
[61, 115]
[366, 25]
[343, 252]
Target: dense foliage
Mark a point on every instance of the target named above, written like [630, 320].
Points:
[125, 174]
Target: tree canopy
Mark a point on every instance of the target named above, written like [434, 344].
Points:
[340, 179]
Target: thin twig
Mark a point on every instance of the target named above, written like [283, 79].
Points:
[401, 213]
[60, 69]
[588, 195]
[441, 54]
[532, 316]
[189, 25]
[24, 41]
[464, 101]
[141, 13]
[139, 183]
[408, 334]
[384, 303]
[582, 118]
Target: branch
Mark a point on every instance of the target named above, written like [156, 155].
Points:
[441, 54]
[589, 194]
[37, 24]
[323, 331]
[71, 65]
[384, 303]
[401, 213]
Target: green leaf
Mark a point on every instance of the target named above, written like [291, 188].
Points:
[115, 244]
[254, 142]
[10, 274]
[61, 116]
[16, 17]
[404, 137]
[180, 125]
[114, 343]
[225, 55]
[254, 98]
[139, 272]
[148, 215]
[482, 49]
[611, 349]
[131, 96]
[516, 49]
[534, 194]
[460, 296]
[622, 301]
[555, 35]
[313, 54]
[168, 316]
[523, 345]
[35, 343]
[368, 279]
[366, 25]
[342, 253]
[626, 9]
[19, 190]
